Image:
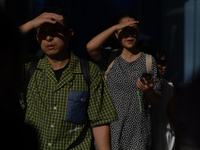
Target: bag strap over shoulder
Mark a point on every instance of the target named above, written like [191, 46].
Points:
[111, 60]
[86, 71]
[108, 69]
[114, 55]
[148, 63]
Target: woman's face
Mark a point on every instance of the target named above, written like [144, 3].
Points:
[128, 36]
[162, 65]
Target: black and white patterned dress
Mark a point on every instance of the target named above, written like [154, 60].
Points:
[132, 130]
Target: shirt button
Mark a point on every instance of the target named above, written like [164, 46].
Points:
[52, 126]
[54, 108]
[49, 144]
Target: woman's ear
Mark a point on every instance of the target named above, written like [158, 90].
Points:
[37, 38]
[116, 35]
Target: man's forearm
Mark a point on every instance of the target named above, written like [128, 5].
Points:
[154, 97]
[102, 137]
[25, 28]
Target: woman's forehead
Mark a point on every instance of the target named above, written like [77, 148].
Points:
[126, 19]
[129, 19]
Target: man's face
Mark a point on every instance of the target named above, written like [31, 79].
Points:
[128, 36]
[162, 65]
[54, 38]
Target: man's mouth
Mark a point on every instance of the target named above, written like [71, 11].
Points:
[50, 47]
[163, 73]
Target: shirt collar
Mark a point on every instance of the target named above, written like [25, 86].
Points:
[74, 64]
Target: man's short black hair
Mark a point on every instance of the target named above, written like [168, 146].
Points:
[156, 51]
[57, 10]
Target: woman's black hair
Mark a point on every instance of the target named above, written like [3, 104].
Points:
[125, 15]
[57, 10]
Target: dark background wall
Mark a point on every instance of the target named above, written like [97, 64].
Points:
[87, 15]
[162, 23]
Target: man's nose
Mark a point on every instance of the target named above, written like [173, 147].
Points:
[164, 67]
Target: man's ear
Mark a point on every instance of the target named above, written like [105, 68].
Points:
[37, 38]
[71, 33]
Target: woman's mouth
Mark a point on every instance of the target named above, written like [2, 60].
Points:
[129, 41]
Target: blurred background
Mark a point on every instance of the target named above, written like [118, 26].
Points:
[171, 24]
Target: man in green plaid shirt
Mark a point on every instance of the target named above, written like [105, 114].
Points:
[57, 94]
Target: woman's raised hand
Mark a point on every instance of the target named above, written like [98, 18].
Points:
[126, 24]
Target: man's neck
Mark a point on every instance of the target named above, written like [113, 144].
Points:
[58, 63]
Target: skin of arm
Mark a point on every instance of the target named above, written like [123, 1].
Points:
[102, 137]
[93, 46]
[38, 21]
[171, 110]
[150, 94]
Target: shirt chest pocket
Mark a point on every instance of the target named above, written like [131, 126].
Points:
[77, 105]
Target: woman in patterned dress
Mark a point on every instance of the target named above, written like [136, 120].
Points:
[132, 130]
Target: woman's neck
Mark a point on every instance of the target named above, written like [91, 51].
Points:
[130, 55]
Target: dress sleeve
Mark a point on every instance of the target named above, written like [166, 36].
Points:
[101, 109]
[105, 55]
[156, 78]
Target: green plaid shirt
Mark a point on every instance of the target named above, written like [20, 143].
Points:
[47, 101]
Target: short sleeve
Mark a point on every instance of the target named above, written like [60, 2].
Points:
[105, 55]
[156, 78]
[101, 109]
[27, 59]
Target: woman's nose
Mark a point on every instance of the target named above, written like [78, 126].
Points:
[49, 38]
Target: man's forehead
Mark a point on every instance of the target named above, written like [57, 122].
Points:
[50, 25]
